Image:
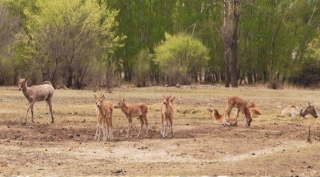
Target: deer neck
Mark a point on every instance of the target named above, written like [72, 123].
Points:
[303, 112]
[26, 92]
[124, 109]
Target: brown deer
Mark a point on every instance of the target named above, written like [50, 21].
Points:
[104, 111]
[293, 111]
[236, 102]
[167, 112]
[219, 117]
[139, 110]
[253, 109]
[37, 93]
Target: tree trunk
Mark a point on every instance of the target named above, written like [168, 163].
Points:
[234, 45]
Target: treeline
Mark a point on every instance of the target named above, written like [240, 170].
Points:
[151, 42]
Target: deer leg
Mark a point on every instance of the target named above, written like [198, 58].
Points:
[95, 137]
[50, 110]
[171, 127]
[104, 130]
[226, 112]
[141, 121]
[164, 128]
[129, 124]
[110, 129]
[25, 119]
[99, 133]
[146, 121]
[132, 129]
[161, 131]
[32, 113]
[236, 121]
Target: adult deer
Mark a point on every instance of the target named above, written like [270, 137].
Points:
[37, 93]
[293, 111]
[167, 112]
[139, 110]
[236, 102]
[104, 111]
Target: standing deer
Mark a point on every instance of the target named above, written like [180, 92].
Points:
[104, 111]
[167, 112]
[236, 102]
[37, 93]
[139, 110]
[293, 111]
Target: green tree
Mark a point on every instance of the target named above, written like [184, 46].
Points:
[68, 34]
[179, 55]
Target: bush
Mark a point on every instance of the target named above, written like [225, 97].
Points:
[274, 84]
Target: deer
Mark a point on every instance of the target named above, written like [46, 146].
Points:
[253, 109]
[167, 111]
[236, 102]
[139, 110]
[35, 94]
[104, 111]
[219, 117]
[293, 111]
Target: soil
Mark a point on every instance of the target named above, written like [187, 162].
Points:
[200, 146]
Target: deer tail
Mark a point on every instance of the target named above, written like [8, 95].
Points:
[47, 82]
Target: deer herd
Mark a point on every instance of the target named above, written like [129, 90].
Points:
[104, 110]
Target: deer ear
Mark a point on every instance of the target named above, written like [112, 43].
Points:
[173, 99]
[122, 99]
[25, 79]
[95, 96]
[309, 103]
[170, 95]
[162, 96]
[103, 97]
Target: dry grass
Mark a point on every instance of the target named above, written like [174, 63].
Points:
[200, 147]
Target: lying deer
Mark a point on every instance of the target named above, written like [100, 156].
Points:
[139, 110]
[219, 117]
[104, 111]
[253, 109]
[37, 93]
[293, 111]
[167, 112]
[236, 102]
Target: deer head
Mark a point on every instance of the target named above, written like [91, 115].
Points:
[99, 100]
[120, 104]
[311, 110]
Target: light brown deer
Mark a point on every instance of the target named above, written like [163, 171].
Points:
[253, 109]
[219, 117]
[236, 102]
[293, 111]
[167, 112]
[104, 111]
[37, 93]
[139, 110]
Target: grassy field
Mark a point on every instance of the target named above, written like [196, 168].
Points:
[273, 145]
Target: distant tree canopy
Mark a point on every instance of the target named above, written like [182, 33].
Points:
[86, 42]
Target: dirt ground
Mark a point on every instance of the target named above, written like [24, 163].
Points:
[273, 145]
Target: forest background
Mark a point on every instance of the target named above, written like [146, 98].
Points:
[94, 43]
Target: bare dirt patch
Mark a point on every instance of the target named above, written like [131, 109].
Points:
[273, 145]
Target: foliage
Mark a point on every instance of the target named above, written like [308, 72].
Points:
[180, 54]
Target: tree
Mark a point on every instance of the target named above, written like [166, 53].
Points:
[179, 56]
[67, 34]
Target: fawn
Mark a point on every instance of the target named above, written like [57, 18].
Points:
[167, 112]
[104, 111]
[139, 110]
